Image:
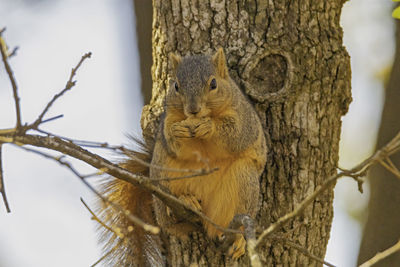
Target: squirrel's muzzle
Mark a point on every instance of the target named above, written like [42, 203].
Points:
[193, 106]
[193, 109]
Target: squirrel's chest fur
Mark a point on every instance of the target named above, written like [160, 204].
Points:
[218, 192]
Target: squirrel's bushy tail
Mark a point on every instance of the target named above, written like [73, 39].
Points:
[132, 246]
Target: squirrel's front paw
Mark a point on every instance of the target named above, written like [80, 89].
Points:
[204, 128]
[193, 128]
[180, 130]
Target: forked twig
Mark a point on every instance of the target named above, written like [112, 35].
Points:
[68, 86]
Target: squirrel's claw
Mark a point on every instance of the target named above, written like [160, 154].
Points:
[238, 248]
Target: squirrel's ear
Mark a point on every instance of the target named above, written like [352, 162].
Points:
[175, 60]
[220, 63]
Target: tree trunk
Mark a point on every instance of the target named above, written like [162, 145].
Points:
[143, 15]
[382, 228]
[288, 57]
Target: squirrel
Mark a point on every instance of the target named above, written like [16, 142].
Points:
[207, 120]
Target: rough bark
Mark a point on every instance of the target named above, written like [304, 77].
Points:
[382, 228]
[288, 57]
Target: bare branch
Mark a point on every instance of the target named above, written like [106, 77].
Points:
[105, 145]
[381, 255]
[68, 86]
[355, 173]
[180, 208]
[3, 49]
[7, 131]
[2, 188]
[147, 227]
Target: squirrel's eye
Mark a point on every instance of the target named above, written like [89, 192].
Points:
[176, 86]
[213, 84]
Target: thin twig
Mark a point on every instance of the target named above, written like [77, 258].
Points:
[381, 255]
[282, 220]
[13, 52]
[53, 118]
[302, 250]
[3, 49]
[2, 188]
[68, 86]
[97, 219]
[392, 164]
[103, 257]
[195, 175]
[390, 167]
[108, 253]
[84, 143]
[116, 232]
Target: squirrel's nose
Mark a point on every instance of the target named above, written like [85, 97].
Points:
[194, 110]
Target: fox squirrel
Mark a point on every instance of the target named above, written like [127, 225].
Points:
[207, 121]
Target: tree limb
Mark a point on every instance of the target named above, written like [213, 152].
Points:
[381, 255]
[359, 170]
[147, 227]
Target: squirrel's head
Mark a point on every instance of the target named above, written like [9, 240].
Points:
[200, 85]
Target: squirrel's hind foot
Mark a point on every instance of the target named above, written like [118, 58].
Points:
[238, 247]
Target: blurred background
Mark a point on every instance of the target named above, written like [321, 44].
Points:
[48, 225]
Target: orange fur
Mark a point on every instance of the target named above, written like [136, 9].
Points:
[218, 191]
